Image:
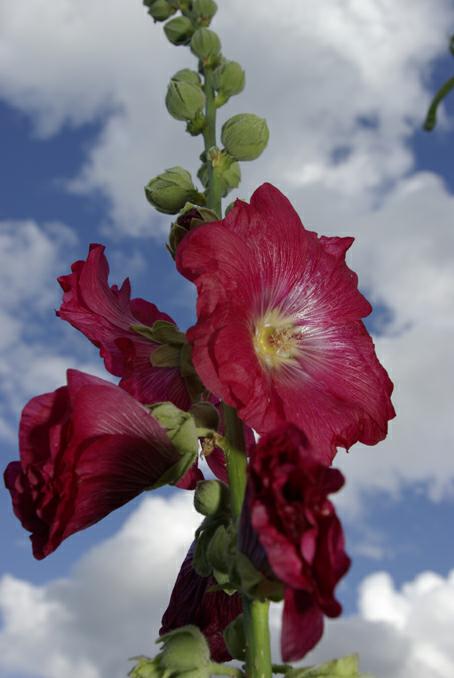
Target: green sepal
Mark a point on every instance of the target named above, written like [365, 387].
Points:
[190, 217]
[180, 426]
[225, 168]
[145, 668]
[196, 126]
[169, 191]
[235, 638]
[228, 79]
[159, 10]
[206, 45]
[161, 332]
[184, 100]
[203, 11]
[211, 497]
[179, 30]
[245, 136]
[346, 667]
[254, 583]
[166, 356]
[185, 650]
[187, 75]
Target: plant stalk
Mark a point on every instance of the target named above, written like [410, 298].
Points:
[258, 650]
[214, 192]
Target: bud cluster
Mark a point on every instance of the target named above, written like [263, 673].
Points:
[193, 97]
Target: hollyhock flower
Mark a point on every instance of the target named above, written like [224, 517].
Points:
[85, 450]
[289, 529]
[191, 602]
[279, 334]
[106, 316]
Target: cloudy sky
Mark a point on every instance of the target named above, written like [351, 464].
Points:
[344, 85]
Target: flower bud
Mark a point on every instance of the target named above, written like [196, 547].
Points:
[185, 649]
[346, 667]
[184, 100]
[206, 45]
[179, 30]
[245, 136]
[190, 217]
[145, 668]
[204, 11]
[235, 638]
[169, 191]
[229, 80]
[187, 75]
[160, 10]
[211, 497]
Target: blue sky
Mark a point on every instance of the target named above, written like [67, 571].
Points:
[79, 140]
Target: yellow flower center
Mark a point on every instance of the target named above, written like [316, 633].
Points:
[276, 339]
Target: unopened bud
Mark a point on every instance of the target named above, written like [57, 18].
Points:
[211, 497]
[245, 136]
[191, 217]
[179, 30]
[204, 11]
[187, 75]
[169, 191]
[145, 668]
[206, 45]
[184, 650]
[184, 100]
[229, 80]
[160, 10]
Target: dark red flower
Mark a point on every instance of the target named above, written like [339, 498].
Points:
[301, 538]
[191, 602]
[279, 334]
[106, 315]
[85, 450]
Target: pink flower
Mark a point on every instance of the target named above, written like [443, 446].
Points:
[279, 334]
[192, 602]
[106, 316]
[85, 450]
[296, 535]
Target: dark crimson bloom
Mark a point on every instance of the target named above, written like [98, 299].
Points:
[191, 602]
[295, 534]
[106, 315]
[279, 334]
[85, 450]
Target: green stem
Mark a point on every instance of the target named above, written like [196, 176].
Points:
[235, 457]
[281, 668]
[222, 670]
[258, 650]
[214, 195]
[431, 117]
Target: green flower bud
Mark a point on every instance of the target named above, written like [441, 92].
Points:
[190, 217]
[206, 45]
[184, 100]
[179, 425]
[204, 11]
[160, 10]
[169, 191]
[187, 75]
[179, 30]
[184, 650]
[145, 668]
[346, 667]
[235, 638]
[245, 136]
[229, 79]
[211, 497]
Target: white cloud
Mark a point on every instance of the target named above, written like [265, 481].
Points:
[109, 608]
[31, 359]
[331, 64]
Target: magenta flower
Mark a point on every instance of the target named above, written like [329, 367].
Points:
[279, 334]
[106, 316]
[85, 450]
[191, 602]
[296, 535]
